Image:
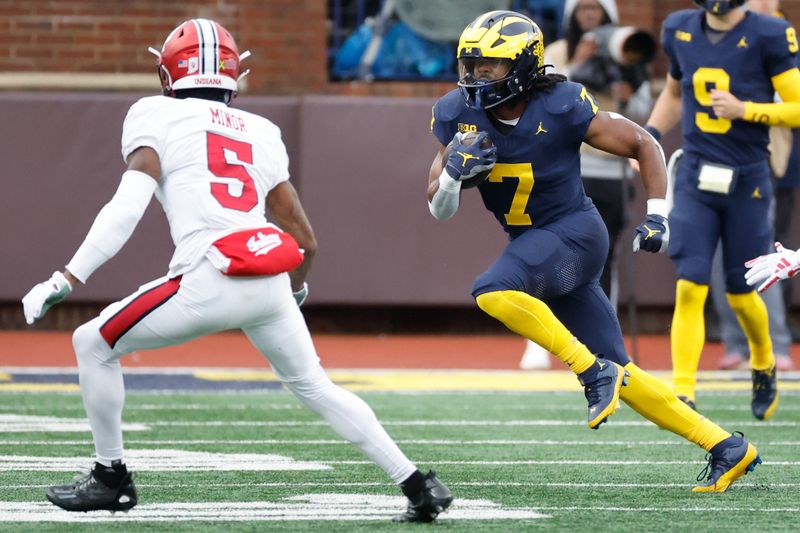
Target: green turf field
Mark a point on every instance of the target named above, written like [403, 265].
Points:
[508, 458]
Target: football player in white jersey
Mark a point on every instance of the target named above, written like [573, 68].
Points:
[214, 170]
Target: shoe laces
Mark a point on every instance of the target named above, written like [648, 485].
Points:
[85, 482]
[713, 463]
[79, 479]
[591, 390]
[705, 474]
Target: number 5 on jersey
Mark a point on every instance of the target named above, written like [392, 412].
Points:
[219, 166]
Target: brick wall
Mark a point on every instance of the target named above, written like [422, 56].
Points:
[287, 37]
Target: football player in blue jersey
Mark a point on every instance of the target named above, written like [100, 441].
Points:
[544, 286]
[725, 66]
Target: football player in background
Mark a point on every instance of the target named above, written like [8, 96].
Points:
[213, 170]
[544, 286]
[725, 66]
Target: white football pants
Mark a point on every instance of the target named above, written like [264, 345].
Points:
[166, 312]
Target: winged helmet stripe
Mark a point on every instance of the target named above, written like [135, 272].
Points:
[201, 45]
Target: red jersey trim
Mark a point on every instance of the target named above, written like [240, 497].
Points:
[138, 308]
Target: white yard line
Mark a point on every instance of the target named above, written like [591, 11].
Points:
[365, 484]
[556, 462]
[311, 507]
[168, 460]
[319, 507]
[426, 442]
[452, 423]
[157, 407]
[577, 408]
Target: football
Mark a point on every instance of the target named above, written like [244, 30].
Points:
[467, 140]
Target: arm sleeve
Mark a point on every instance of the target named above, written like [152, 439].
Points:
[780, 62]
[785, 113]
[114, 224]
[447, 198]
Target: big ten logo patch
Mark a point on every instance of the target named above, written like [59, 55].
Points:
[464, 128]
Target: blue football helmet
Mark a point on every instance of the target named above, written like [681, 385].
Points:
[511, 41]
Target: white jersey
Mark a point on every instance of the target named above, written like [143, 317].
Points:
[217, 166]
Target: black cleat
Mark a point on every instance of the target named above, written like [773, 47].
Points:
[603, 392]
[88, 493]
[435, 498]
[765, 393]
[687, 401]
[729, 460]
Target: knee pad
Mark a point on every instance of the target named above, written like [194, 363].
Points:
[89, 345]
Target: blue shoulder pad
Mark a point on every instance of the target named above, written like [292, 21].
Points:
[450, 106]
[445, 114]
[563, 97]
[778, 42]
[575, 106]
[767, 26]
[679, 19]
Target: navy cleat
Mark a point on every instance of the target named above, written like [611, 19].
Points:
[729, 460]
[764, 401]
[89, 493]
[687, 401]
[434, 499]
[602, 392]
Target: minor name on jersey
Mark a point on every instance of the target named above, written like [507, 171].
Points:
[464, 128]
[229, 120]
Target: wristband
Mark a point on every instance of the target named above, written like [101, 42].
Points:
[657, 206]
[654, 132]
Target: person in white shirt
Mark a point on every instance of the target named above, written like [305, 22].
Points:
[214, 170]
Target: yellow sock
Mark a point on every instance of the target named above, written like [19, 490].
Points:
[752, 315]
[532, 318]
[687, 335]
[653, 399]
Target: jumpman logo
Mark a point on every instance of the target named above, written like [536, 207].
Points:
[466, 157]
[540, 129]
[650, 232]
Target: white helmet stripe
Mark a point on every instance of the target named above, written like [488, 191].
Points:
[208, 46]
[200, 45]
[216, 46]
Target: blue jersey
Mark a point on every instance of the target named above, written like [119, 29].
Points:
[537, 177]
[743, 63]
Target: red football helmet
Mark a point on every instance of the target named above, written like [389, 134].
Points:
[199, 53]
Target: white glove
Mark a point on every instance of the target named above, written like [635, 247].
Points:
[44, 296]
[783, 264]
[301, 295]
